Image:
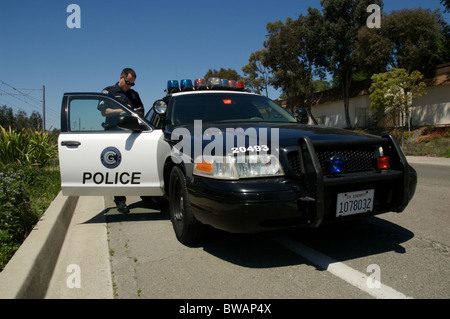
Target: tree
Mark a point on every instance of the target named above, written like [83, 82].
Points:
[35, 121]
[341, 22]
[257, 75]
[228, 74]
[293, 56]
[282, 59]
[394, 90]
[372, 51]
[415, 39]
[442, 54]
[6, 116]
[414, 36]
[446, 4]
[19, 120]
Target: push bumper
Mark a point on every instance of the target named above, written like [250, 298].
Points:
[255, 205]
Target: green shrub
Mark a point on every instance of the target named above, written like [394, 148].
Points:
[399, 135]
[16, 215]
[26, 191]
[26, 146]
[27, 184]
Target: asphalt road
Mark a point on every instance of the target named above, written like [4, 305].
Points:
[390, 256]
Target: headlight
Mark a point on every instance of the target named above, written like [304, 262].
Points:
[232, 168]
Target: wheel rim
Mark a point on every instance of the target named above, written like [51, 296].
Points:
[179, 207]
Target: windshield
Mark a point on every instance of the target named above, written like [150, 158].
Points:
[226, 107]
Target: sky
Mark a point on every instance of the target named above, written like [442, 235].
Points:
[160, 40]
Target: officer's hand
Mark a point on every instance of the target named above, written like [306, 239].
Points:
[140, 111]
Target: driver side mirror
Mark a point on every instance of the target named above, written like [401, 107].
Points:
[160, 107]
[302, 116]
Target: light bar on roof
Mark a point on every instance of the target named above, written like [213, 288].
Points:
[186, 85]
[224, 84]
[200, 84]
[214, 83]
[232, 84]
[174, 86]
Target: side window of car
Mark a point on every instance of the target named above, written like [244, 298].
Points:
[154, 119]
[150, 115]
[94, 114]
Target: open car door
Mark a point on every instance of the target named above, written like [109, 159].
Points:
[107, 155]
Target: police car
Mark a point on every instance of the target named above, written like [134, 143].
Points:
[230, 159]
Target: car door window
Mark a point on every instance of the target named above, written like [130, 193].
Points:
[94, 114]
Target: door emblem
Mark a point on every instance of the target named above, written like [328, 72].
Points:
[111, 157]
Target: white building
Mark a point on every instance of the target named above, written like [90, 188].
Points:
[432, 109]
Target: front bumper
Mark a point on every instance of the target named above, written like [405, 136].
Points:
[246, 207]
[255, 205]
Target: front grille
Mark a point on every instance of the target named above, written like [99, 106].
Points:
[359, 158]
[294, 162]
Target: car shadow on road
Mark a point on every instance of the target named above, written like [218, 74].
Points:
[342, 242]
[248, 250]
[138, 212]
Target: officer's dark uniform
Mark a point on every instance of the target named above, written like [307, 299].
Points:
[129, 98]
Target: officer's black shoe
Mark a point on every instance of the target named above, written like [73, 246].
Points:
[122, 207]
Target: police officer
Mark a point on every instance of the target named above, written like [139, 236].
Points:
[123, 93]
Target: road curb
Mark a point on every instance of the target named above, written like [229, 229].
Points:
[28, 273]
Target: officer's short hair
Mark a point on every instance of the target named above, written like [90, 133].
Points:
[127, 71]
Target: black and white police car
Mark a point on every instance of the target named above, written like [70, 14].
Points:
[230, 159]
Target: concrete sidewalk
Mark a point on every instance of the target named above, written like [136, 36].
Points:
[83, 268]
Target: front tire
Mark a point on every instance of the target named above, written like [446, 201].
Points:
[187, 229]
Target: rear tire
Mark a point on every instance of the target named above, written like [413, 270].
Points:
[187, 229]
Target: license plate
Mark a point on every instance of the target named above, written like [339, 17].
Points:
[354, 203]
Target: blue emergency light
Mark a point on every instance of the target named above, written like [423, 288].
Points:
[172, 84]
[337, 164]
[186, 85]
[224, 83]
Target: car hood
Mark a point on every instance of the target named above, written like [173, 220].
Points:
[288, 133]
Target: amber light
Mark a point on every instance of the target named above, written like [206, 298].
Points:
[384, 162]
[204, 166]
